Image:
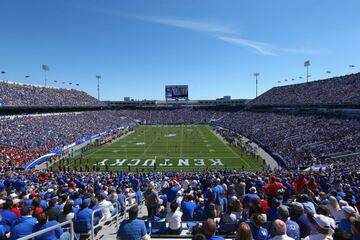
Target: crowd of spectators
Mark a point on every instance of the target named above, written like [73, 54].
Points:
[174, 116]
[20, 95]
[338, 90]
[298, 140]
[26, 137]
[282, 204]
[301, 140]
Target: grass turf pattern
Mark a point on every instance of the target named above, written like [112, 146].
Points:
[171, 148]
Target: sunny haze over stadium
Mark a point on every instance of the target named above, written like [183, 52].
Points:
[179, 120]
[214, 46]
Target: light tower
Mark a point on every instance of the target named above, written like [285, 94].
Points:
[45, 68]
[307, 64]
[256, 80]
[98, 77]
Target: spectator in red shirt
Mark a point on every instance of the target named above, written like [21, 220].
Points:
[37, 209]
[299, 184]
[272, 188]
[15, 208]
[312, 184]
[72, 184]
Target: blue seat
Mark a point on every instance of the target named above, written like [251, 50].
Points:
[81, 226]
[192, 224]
[158, 228]
[227, 228]
[148, 230]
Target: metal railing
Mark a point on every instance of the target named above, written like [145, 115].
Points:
[93, 226]
[69, 222]
[116, 216]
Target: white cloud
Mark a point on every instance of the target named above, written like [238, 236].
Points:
[224, 32]
[194, 25]
[260, 47]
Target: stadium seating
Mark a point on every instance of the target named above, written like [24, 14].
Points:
[21, 95]
[334, 91]
[24, 138]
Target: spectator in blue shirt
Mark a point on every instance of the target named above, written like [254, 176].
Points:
[139, 196]
[23, 225]
[249, 197]
[258, 232]
[345, 224]
[172, 191]
[132, 229]
[210, 230]
[84, 214]
[121, 198]
[44, 223]
[188, 208]
[292, 228]
[8, 216]
[301, 219]
[93, 206]
[273, 214]
[219, 197]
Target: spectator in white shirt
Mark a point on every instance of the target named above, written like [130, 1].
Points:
[174, 219]
[324, 227]
[106, 206]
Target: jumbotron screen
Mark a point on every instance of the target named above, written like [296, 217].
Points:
[176, 92]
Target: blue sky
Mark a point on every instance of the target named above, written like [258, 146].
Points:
[214, 46]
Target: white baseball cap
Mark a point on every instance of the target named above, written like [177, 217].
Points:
[324, 222]
[348, 209]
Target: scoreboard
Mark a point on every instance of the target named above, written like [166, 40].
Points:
[176, 92]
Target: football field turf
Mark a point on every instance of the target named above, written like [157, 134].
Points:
[170, 148]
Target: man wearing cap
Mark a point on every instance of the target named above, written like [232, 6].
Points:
[23, 225]
[249, 197]
[324, 226]
[345, 224]
[292, 228]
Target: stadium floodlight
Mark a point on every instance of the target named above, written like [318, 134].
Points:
[98, 77]
[45, 68]
[256, 79]
[307, 64]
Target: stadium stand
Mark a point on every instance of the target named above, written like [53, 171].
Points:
[28, 136]
[301, 140]
[294, 201]
[20, 95]
[227, 197]
[333, 91]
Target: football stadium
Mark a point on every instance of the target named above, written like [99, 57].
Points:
[112, 125]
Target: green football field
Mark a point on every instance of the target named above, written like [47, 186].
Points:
[170, 148]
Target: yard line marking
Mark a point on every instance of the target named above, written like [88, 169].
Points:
[232, 150]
